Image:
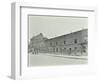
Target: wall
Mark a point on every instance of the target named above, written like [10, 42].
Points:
[5, 39]
[66, 45]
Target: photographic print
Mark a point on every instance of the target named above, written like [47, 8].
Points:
[57, 40]
[52, 41]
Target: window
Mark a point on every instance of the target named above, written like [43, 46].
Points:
[75, 41]
[56, 49]
[64, 48]
[56, 43]
[84, 50]
[50, 44]
[70, 49]
[53, 49]
[75, 48]
[64, 42]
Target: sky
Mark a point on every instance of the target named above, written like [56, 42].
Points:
[53, 26]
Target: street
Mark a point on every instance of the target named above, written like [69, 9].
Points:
[46, 60]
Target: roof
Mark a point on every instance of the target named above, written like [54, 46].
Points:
[67, 34]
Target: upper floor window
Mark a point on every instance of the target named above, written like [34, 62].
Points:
[64, 42]
[56, 43]
[50, 44]
[75, 41]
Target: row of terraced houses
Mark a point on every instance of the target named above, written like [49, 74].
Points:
[75, 43]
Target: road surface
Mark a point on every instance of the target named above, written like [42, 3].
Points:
[47, 60]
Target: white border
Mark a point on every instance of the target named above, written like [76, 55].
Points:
[20, 69]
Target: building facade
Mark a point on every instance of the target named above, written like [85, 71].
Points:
[75, 43]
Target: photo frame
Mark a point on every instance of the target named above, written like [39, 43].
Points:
[23, 66]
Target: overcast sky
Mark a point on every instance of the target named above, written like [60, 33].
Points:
[52, 26]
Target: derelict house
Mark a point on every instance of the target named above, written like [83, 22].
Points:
[74, 43]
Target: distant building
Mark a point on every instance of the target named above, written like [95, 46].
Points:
[75, 43]
[37, 44]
